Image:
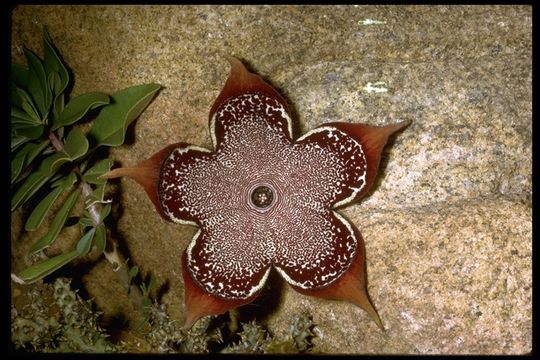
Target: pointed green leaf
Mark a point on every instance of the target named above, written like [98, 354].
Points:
[28, 188]
[64, 181]
[20, 116]
[54, 82]
[85, 243]
[100, 239]
[19, 75]
[38, 84]
[19, 160]
[104, 212]
[57, 223]
[38, 149]
[86, 221]
[33, 151]
[16, 99]
[39, 271]
[133, 272]
[58, 105]
[42, 209]
[52, 163]
[23, 100]
[100, 168]
[53, 64]
[78, 107]
[30, 132]
[17, 141]
[76, 144]
[110, 126]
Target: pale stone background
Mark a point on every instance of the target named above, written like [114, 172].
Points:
[448, 225]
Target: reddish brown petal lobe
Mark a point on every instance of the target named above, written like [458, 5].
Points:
[351, 286]
[241, 82]
[147, 174]
[198, 303]
[373, 139]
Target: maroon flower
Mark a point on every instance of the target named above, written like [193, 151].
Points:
[262, 200]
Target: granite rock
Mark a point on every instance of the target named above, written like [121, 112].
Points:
[447, 227]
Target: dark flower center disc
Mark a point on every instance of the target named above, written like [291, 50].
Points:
[262, 196]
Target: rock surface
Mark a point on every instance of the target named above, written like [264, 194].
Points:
[447, 227]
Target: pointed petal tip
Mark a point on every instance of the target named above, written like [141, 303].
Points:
[116, 173]
[233, 60]
[400, 125]
[242, 81]
[350, 287]
[199, 303]
[385, 131]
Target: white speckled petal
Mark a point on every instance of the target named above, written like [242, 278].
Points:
[314, 250]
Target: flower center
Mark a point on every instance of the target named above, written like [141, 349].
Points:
[262, 196]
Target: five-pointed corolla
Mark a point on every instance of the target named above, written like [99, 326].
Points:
[263, 200]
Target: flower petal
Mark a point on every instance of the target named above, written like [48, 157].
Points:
[175, 202]
[199, 303]
[246, 95]
[336, 165]
[350, 286]
[314, 248]
[372, 139]
[147, 174]
[229, 264]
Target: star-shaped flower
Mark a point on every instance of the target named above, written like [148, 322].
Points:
[262, 200]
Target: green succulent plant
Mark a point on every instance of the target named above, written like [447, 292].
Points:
[57, 319]
[54, 162]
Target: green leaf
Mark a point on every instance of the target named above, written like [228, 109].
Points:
[54, 82]
[96, 196]
[38, 84]
[57, 224]
[19, 160]
[76, 144]
[22, 99]
[86, 221]
[104, 212]
[52, 163]
[37, 150]
[100, 168]
[30, 132]
[64, 181]
[17, 141]
[110, 126]
[85, 243]
[20, 116]
[133, 272]
[58, 105]
[53, 63]
[33, 152]
[28, 188]
[78, 107]
[100, 238]
[39, 271]
[19, 75]
[42, 209]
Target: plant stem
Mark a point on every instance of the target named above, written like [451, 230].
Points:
[57, 144]
[114, 257]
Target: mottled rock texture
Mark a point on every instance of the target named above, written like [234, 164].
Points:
[448, 224]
